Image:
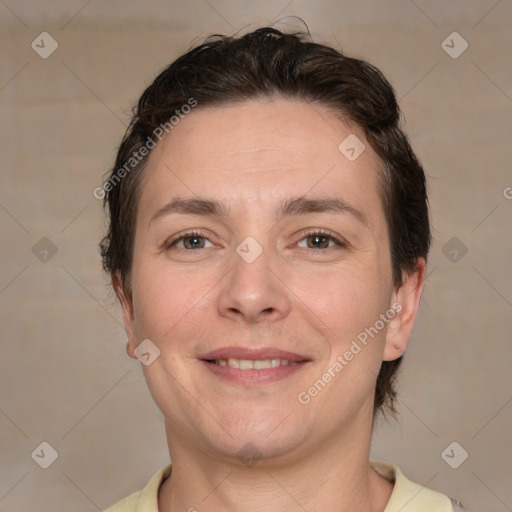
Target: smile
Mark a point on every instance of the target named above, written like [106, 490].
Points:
[253, 367]
[248, 364]
[253, 373]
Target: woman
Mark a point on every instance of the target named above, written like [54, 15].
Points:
[268, 238]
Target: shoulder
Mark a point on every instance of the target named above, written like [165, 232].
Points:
[408, 496]
[145, 500]
[128, 504]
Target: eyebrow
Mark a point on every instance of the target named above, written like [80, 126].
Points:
[292, 206]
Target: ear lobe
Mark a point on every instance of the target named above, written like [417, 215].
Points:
[128, 315]
[407, 296]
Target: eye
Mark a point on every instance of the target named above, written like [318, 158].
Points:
[320, 239]
[189, 240]
[314, 239]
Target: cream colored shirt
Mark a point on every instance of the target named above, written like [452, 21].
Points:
[406, 497]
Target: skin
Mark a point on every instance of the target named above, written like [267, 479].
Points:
[295, 296]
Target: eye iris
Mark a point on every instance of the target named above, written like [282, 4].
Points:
[314, 242]
[193, 242]
[318, 241]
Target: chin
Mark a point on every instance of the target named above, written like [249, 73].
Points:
[253, 438]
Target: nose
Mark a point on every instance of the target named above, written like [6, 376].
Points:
[254, 291]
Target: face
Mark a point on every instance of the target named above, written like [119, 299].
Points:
[261, 258]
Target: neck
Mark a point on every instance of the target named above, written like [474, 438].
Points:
[337, 476]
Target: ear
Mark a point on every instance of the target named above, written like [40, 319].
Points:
[406, 300]
[128, 316]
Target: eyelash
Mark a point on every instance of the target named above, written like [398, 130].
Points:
[323, 233]
[308, 233]
[186, 234]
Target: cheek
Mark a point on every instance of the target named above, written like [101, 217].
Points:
[347, 304]
[345, 299]
[167, 302]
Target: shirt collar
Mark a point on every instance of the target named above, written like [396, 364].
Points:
[406, 495]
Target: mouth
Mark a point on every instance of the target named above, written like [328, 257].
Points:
[249, 364]
[253, 367]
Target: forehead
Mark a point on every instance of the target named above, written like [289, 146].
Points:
[258, 152]
[246, 136]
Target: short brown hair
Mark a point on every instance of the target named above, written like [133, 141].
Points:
[262, 64]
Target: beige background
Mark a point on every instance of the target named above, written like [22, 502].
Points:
[64, 376]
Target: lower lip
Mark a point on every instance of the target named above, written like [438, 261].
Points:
[251, 378]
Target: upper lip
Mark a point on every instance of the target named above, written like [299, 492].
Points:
[252, 354]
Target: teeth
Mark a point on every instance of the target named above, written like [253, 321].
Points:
[233, 363]
[244, 364]
[248, 364]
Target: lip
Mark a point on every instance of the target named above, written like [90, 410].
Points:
[253, 378]
[253, 354]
